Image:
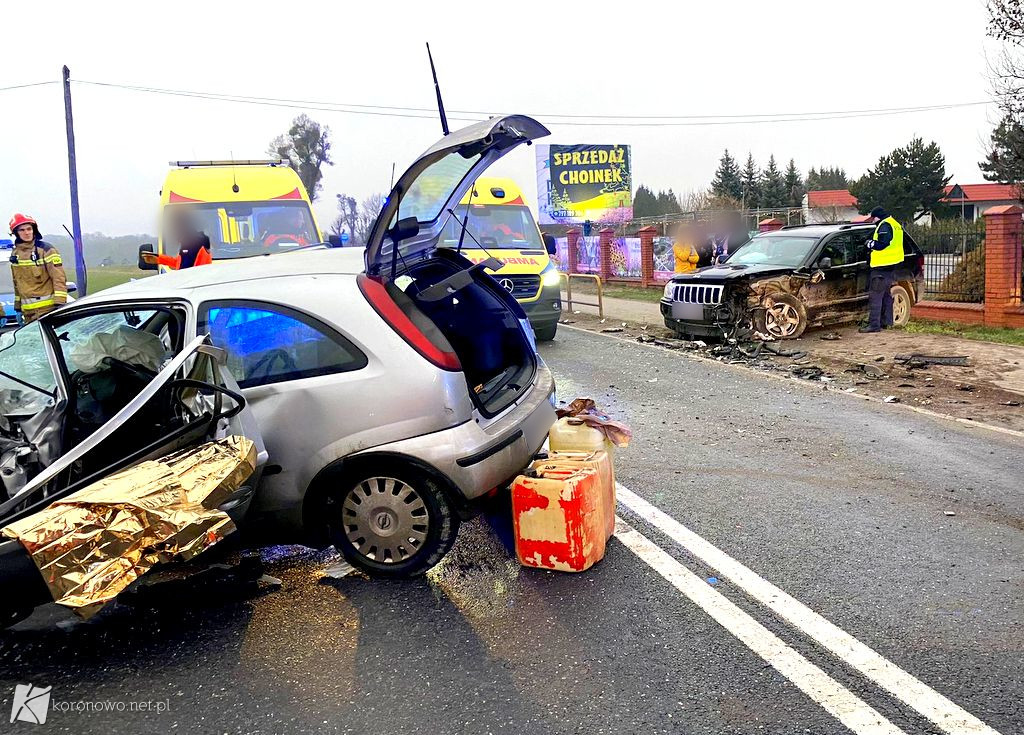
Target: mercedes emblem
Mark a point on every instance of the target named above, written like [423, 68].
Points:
[507, 284]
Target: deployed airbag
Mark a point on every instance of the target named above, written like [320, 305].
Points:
[125, 344]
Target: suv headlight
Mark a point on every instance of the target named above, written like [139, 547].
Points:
[669, 290]
[550, 277]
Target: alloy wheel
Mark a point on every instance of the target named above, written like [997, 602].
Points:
[385, 519]
[782, 320]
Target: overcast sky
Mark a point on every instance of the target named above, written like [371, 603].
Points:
[635, 58]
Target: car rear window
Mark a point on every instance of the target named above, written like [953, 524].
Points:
[269, 343]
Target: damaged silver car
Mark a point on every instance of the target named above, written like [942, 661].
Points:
[390, 395]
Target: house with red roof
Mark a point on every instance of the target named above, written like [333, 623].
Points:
[839, 205]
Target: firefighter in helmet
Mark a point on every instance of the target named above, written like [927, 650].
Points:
[40, 285]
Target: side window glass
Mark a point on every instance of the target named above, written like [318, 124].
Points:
[838, 250]
[270, 344]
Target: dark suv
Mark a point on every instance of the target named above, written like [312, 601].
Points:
[787, 280]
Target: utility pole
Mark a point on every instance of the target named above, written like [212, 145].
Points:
[76, 222]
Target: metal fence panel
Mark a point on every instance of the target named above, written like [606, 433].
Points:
[954, 259]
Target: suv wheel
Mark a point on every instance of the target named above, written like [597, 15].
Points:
[901, 304]
[393, 522]
[785, 319]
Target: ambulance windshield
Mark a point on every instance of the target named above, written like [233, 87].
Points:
[495, 227]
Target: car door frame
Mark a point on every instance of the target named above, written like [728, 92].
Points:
[183, 361]
[849, 300]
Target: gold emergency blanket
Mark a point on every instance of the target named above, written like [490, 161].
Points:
[92, 544]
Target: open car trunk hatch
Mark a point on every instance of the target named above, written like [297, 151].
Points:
[479, 322]
[434, 184]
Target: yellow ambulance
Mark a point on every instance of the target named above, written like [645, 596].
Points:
[499, 224]
[245, 207]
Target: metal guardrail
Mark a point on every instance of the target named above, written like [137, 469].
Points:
[568, 291]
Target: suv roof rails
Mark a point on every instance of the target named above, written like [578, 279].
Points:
[848, 225]
[805, 224]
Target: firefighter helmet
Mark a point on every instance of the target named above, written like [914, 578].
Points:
[20, 219]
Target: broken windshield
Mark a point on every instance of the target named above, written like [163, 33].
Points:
[27, 382]
[784, 250]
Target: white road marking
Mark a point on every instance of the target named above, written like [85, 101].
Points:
[836, 699]
[908, 689]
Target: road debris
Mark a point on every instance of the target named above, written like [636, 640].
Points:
[955, 360]
[872, 371]
[948, 513]
[831, 336]
[965, 387]
[612, 330]
[1010, 403]
[891, 399]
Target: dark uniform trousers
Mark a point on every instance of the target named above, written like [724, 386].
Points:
[880, 297]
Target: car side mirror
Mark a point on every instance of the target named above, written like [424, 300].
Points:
[143, 265]
[825, 263]
[335, 241]
[71, 287]
[550, 245]
[404, 229]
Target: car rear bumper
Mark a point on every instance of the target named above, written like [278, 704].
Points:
[476, 459]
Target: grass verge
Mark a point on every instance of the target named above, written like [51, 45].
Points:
[1002, 335]
[113, 275]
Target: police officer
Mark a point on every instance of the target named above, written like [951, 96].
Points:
[886, 247]
[40, 285]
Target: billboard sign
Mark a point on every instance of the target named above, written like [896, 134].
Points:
[576, 183]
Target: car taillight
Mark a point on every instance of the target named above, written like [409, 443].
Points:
[391, 313]
[920, 263]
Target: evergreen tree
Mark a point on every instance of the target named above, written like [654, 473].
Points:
[794, 185]
[908, 182]
[727, 178]
[826, 179]
[668, 203]
[645, 203]
[773, 186]
[1005, 160]
[751, 189]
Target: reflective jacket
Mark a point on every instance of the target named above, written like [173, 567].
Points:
[888, 247]
[38, 274]
[195, 253]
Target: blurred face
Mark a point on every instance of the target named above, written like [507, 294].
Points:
[25, 233]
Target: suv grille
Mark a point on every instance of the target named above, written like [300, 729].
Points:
[693, 294]
[522, 287]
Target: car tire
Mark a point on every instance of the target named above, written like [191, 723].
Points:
[545, 333]
[901, 303]
[786, 319]
[391, 521]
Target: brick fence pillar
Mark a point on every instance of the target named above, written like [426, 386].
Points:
[605, 252]
[647, 235]
[572, 238]
[1003, 230]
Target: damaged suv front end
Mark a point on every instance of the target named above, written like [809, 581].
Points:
[781, 282]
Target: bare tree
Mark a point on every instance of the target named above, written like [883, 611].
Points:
[348, 214]
[368, 211]
[1006, 24]
[695, 200]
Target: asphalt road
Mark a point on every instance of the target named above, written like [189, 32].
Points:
[782, 488]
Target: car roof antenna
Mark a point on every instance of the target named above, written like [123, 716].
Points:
[437, 90]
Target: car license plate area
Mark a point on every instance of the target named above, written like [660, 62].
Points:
[690, 312]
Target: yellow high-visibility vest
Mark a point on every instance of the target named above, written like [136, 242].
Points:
[894, 253]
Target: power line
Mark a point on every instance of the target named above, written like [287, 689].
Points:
[25, 86]
[422, 113]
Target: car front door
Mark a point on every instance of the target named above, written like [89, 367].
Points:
[184, 398]
[837, 294]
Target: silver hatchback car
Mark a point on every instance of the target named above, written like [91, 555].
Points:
[387, 393]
